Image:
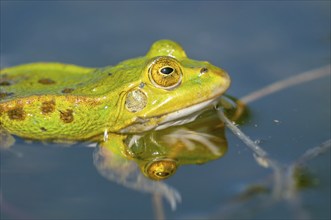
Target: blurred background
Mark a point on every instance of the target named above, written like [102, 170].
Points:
[257, 42]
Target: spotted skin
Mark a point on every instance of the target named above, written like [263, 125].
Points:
[55, 101]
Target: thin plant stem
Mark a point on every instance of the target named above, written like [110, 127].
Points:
[158, 207]
[286, 83]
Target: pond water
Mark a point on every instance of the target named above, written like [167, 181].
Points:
[257, 42]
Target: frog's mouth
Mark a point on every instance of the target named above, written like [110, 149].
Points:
[179, 117]
[185, 115]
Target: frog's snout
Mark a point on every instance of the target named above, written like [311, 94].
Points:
[220, 80]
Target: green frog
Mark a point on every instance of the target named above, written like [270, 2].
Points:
[119, 107]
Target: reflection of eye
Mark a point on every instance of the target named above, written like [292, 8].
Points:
[165, 72]
[160, 169]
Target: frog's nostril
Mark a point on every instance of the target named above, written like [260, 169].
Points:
[203, 70]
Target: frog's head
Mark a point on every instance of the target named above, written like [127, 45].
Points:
[171, 89]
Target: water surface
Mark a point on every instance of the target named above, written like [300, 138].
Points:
[256, 42]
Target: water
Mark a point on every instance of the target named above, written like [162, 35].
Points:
[256, 42]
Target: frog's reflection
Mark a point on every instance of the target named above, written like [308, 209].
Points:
[158, 154]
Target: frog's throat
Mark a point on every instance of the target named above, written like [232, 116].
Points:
[179, 117]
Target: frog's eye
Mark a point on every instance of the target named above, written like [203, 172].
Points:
[165, 72]
[160, 169]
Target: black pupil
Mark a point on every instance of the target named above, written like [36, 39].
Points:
[162, 174]
[167, 70]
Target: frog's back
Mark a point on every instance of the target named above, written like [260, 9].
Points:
[41, 79]
[54, 100]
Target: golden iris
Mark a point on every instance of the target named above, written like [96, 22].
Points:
[161, 169]
[165, 72]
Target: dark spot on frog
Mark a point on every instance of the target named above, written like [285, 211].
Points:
[203, 70]
[1, 111]
[46, 81]
[16, 113]
[68, 90]
[47, 107]
[110, 74]
[5, 94]
[5, 83]
[43, 129]
[67, 116]
[141, 85]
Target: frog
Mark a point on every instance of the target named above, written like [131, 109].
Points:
[114, 106]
